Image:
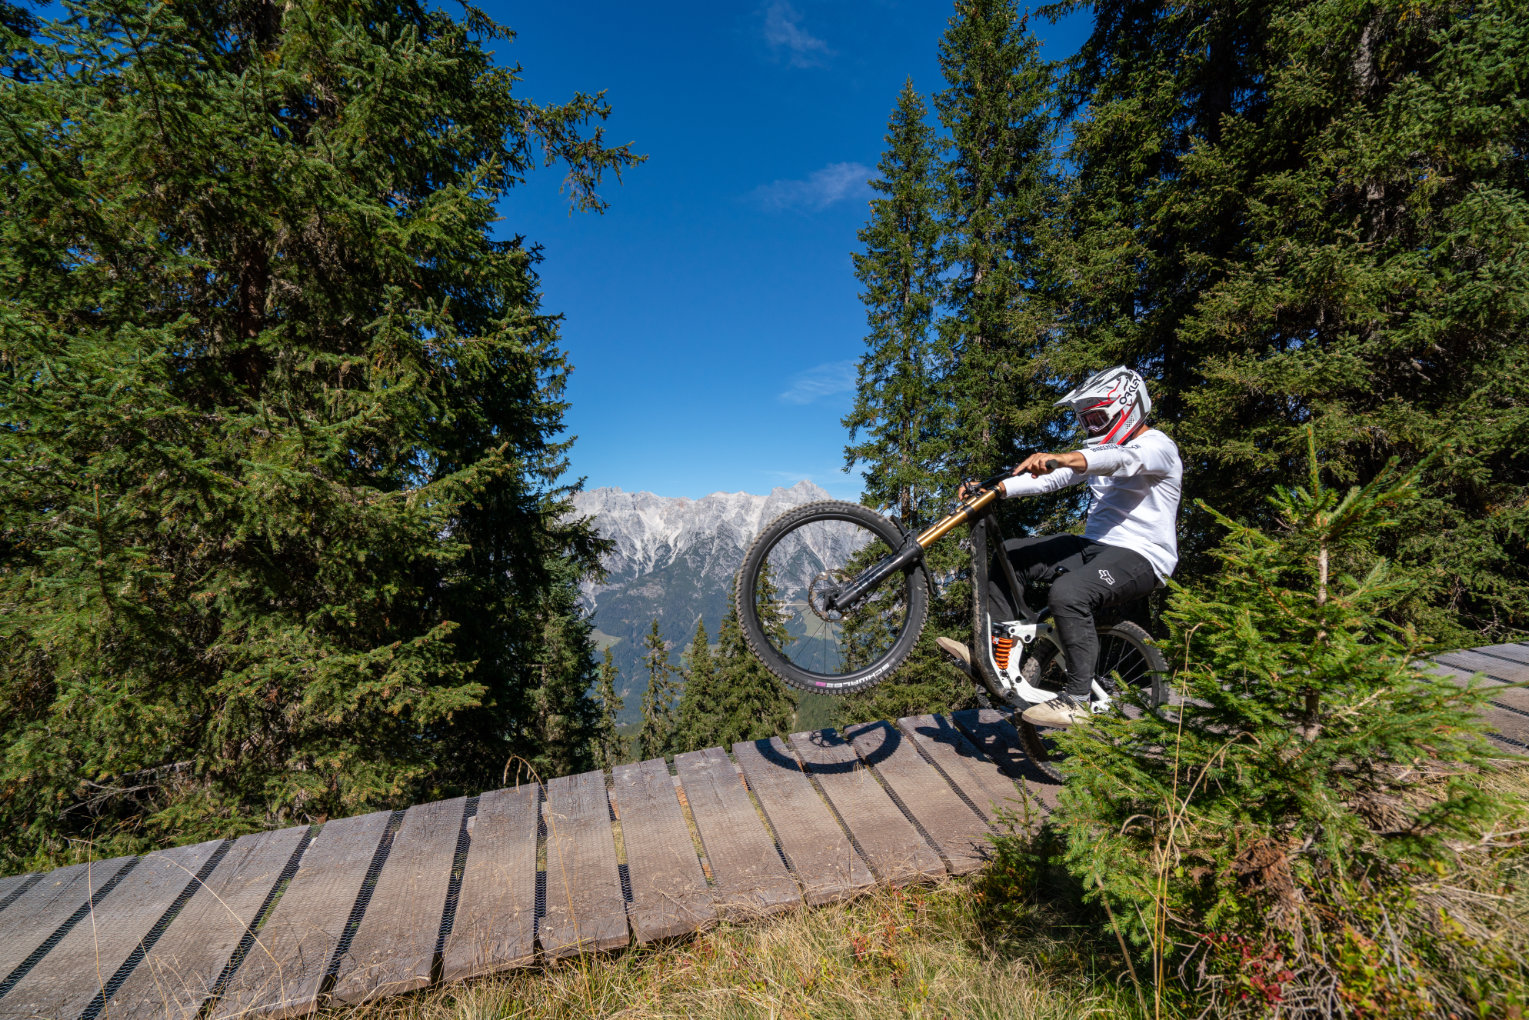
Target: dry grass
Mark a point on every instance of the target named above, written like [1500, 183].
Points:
[982, 948]
[920, 952]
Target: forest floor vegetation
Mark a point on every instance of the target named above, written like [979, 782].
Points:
[924, 951]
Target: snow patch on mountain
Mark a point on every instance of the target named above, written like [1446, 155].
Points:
[652, 533]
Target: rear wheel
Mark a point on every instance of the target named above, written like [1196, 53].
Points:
[1126, 658]
[801, 559]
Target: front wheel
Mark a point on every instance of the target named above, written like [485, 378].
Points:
[795, 564]
[1126, 657]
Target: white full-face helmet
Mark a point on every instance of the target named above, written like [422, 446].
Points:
[1109, 405]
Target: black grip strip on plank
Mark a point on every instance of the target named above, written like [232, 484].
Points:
[247, 941]
[363, 900]
[73, 919]
[950, 780]
[833, 810]
[540, 900]
[897, 801]
[623, 872]
[453, 891]
[15, 893]
[764, 818]
[93, 1009]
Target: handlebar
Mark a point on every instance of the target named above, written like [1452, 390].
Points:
[987, 483]
[977, 502]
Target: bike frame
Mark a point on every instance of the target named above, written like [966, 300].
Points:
[975, 510]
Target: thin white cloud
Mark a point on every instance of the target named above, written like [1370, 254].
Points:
[821, 189]
[826, 380]
[784, 32]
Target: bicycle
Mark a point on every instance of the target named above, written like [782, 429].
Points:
[832, 598]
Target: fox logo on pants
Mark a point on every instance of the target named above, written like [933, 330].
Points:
[1104, 575]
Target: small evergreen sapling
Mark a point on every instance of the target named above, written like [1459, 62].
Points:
[1298, 777]
[750, 702]
[609, 746]
[656, 737]
[699, 698]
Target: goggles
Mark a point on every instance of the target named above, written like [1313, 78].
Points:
[1096, 420]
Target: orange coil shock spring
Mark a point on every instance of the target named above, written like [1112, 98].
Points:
[1001, 648]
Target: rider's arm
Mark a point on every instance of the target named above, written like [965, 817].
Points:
[1148, 459]
[1032, 485]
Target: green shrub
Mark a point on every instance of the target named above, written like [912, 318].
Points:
[1275, 841]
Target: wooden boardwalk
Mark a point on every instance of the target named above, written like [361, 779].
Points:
[277, 923]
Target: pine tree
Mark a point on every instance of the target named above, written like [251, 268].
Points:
[282, 531]
[898, 400]
[558, 730]
[609, 747]
[998, 190]
[656, 737]
[1310, 213]
[699, 699]
[751, 702]
[1294, 785]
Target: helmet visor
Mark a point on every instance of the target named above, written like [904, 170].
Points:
[1096, 420]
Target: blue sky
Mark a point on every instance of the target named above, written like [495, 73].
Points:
[712, 312]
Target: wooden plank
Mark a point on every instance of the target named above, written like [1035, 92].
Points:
[892, 846]
[947, 820]
[393, 949]
[585, 908]
[669, 894]
[284, 969]
[1516, 698]
[11, 885]
[78, 968]
[977, 777]
[1512, 652]
[1510, 729]
[37, 913]
[825, 861]
[1509, 726]
[991, 733]
[750, 877]
[178, 973]
[495, 925]
[1497, 669]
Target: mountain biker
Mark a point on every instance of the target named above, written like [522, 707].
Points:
[1129, 545]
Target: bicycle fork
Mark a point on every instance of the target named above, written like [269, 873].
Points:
[911, 552]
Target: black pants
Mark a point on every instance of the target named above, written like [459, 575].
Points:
[1086, 576]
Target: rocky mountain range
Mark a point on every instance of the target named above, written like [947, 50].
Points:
[675, 559]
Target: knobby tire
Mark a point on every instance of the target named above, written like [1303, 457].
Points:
[839, 679]
[1136, 653]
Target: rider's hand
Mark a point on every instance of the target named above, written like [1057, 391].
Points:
[1040, 463]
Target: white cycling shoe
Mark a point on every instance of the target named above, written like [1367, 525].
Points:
[1060, 712]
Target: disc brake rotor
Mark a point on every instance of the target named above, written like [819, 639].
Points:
[819, 591]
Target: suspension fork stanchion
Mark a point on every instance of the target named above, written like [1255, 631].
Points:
[966, 512]
[911, 553]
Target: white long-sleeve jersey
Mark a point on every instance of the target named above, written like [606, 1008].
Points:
[1135, 487]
